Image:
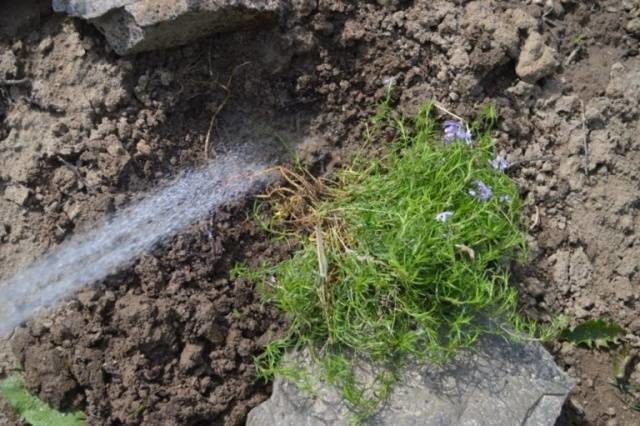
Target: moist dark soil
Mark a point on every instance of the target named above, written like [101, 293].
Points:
[170, 340]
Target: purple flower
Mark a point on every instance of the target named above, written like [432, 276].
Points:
[389, 82]
[443, 216]
[482, 191]
[499, 163]
[504, 198]
[455, 130]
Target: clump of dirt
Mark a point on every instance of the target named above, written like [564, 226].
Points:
[88, 133]
[173, 338]
[88, 130]
[112, 128]
[7, 416]
[46, 125]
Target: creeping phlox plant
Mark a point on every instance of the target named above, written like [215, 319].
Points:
[406, 256]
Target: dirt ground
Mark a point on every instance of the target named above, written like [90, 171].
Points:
[173, 336]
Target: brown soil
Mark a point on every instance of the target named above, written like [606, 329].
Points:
[171, 338]
[171, 341]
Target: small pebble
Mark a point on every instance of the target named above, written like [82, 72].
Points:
[634, 26]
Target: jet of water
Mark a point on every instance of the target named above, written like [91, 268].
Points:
[86, 259]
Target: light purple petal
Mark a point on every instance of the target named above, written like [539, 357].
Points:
[483, 193]
[455, 130]
[499, 163]
[443, 216]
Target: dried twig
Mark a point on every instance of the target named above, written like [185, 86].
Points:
[536, 219]
[572, 55]
[227, 89]
[76, 171]
[18, 82]
[439, 106]
[322, 258]
[531, 160]
[468, 250]
[585, 142]
[323, 274]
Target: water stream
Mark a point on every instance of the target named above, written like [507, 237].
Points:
[87, 258]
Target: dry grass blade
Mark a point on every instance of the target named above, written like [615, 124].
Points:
[18, 82]
[82, 183]
[227, 88]
[323, 274]
[322, 258]
[468, 250]
[585, 142]
[535, 221]
[296, 196]
[440, 107]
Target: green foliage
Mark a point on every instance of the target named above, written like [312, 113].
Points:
[594, 333]
[487, 117]
[33, 410]
[382, 278]
[578, 40]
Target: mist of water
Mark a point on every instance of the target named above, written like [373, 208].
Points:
[88, 258]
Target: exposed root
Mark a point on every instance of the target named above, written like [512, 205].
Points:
[227, 89]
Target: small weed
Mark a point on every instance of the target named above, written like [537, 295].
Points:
[406, 255]
[578, 40]
[594, 333]
[33, 410]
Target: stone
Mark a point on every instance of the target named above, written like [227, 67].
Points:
[633, 26]
[71, 209]
[132, 26]
[522, 20]
[191, 356]
[8, 64]
[624, 81]
[499, 383]
[19, 194]
[536, 60]
[304, 7]
[580, 268]
[143, 148]
[595, 112]
[621, 287]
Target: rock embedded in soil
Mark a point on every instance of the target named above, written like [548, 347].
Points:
[8, 64]
[536, 60]
[132, 26]
[191, 356]
[19, 194]
[502, 383]
[634, 26]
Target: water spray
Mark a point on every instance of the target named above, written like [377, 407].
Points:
[87, 258]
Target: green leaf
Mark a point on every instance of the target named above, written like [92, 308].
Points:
[594, 333]
[33, 410]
